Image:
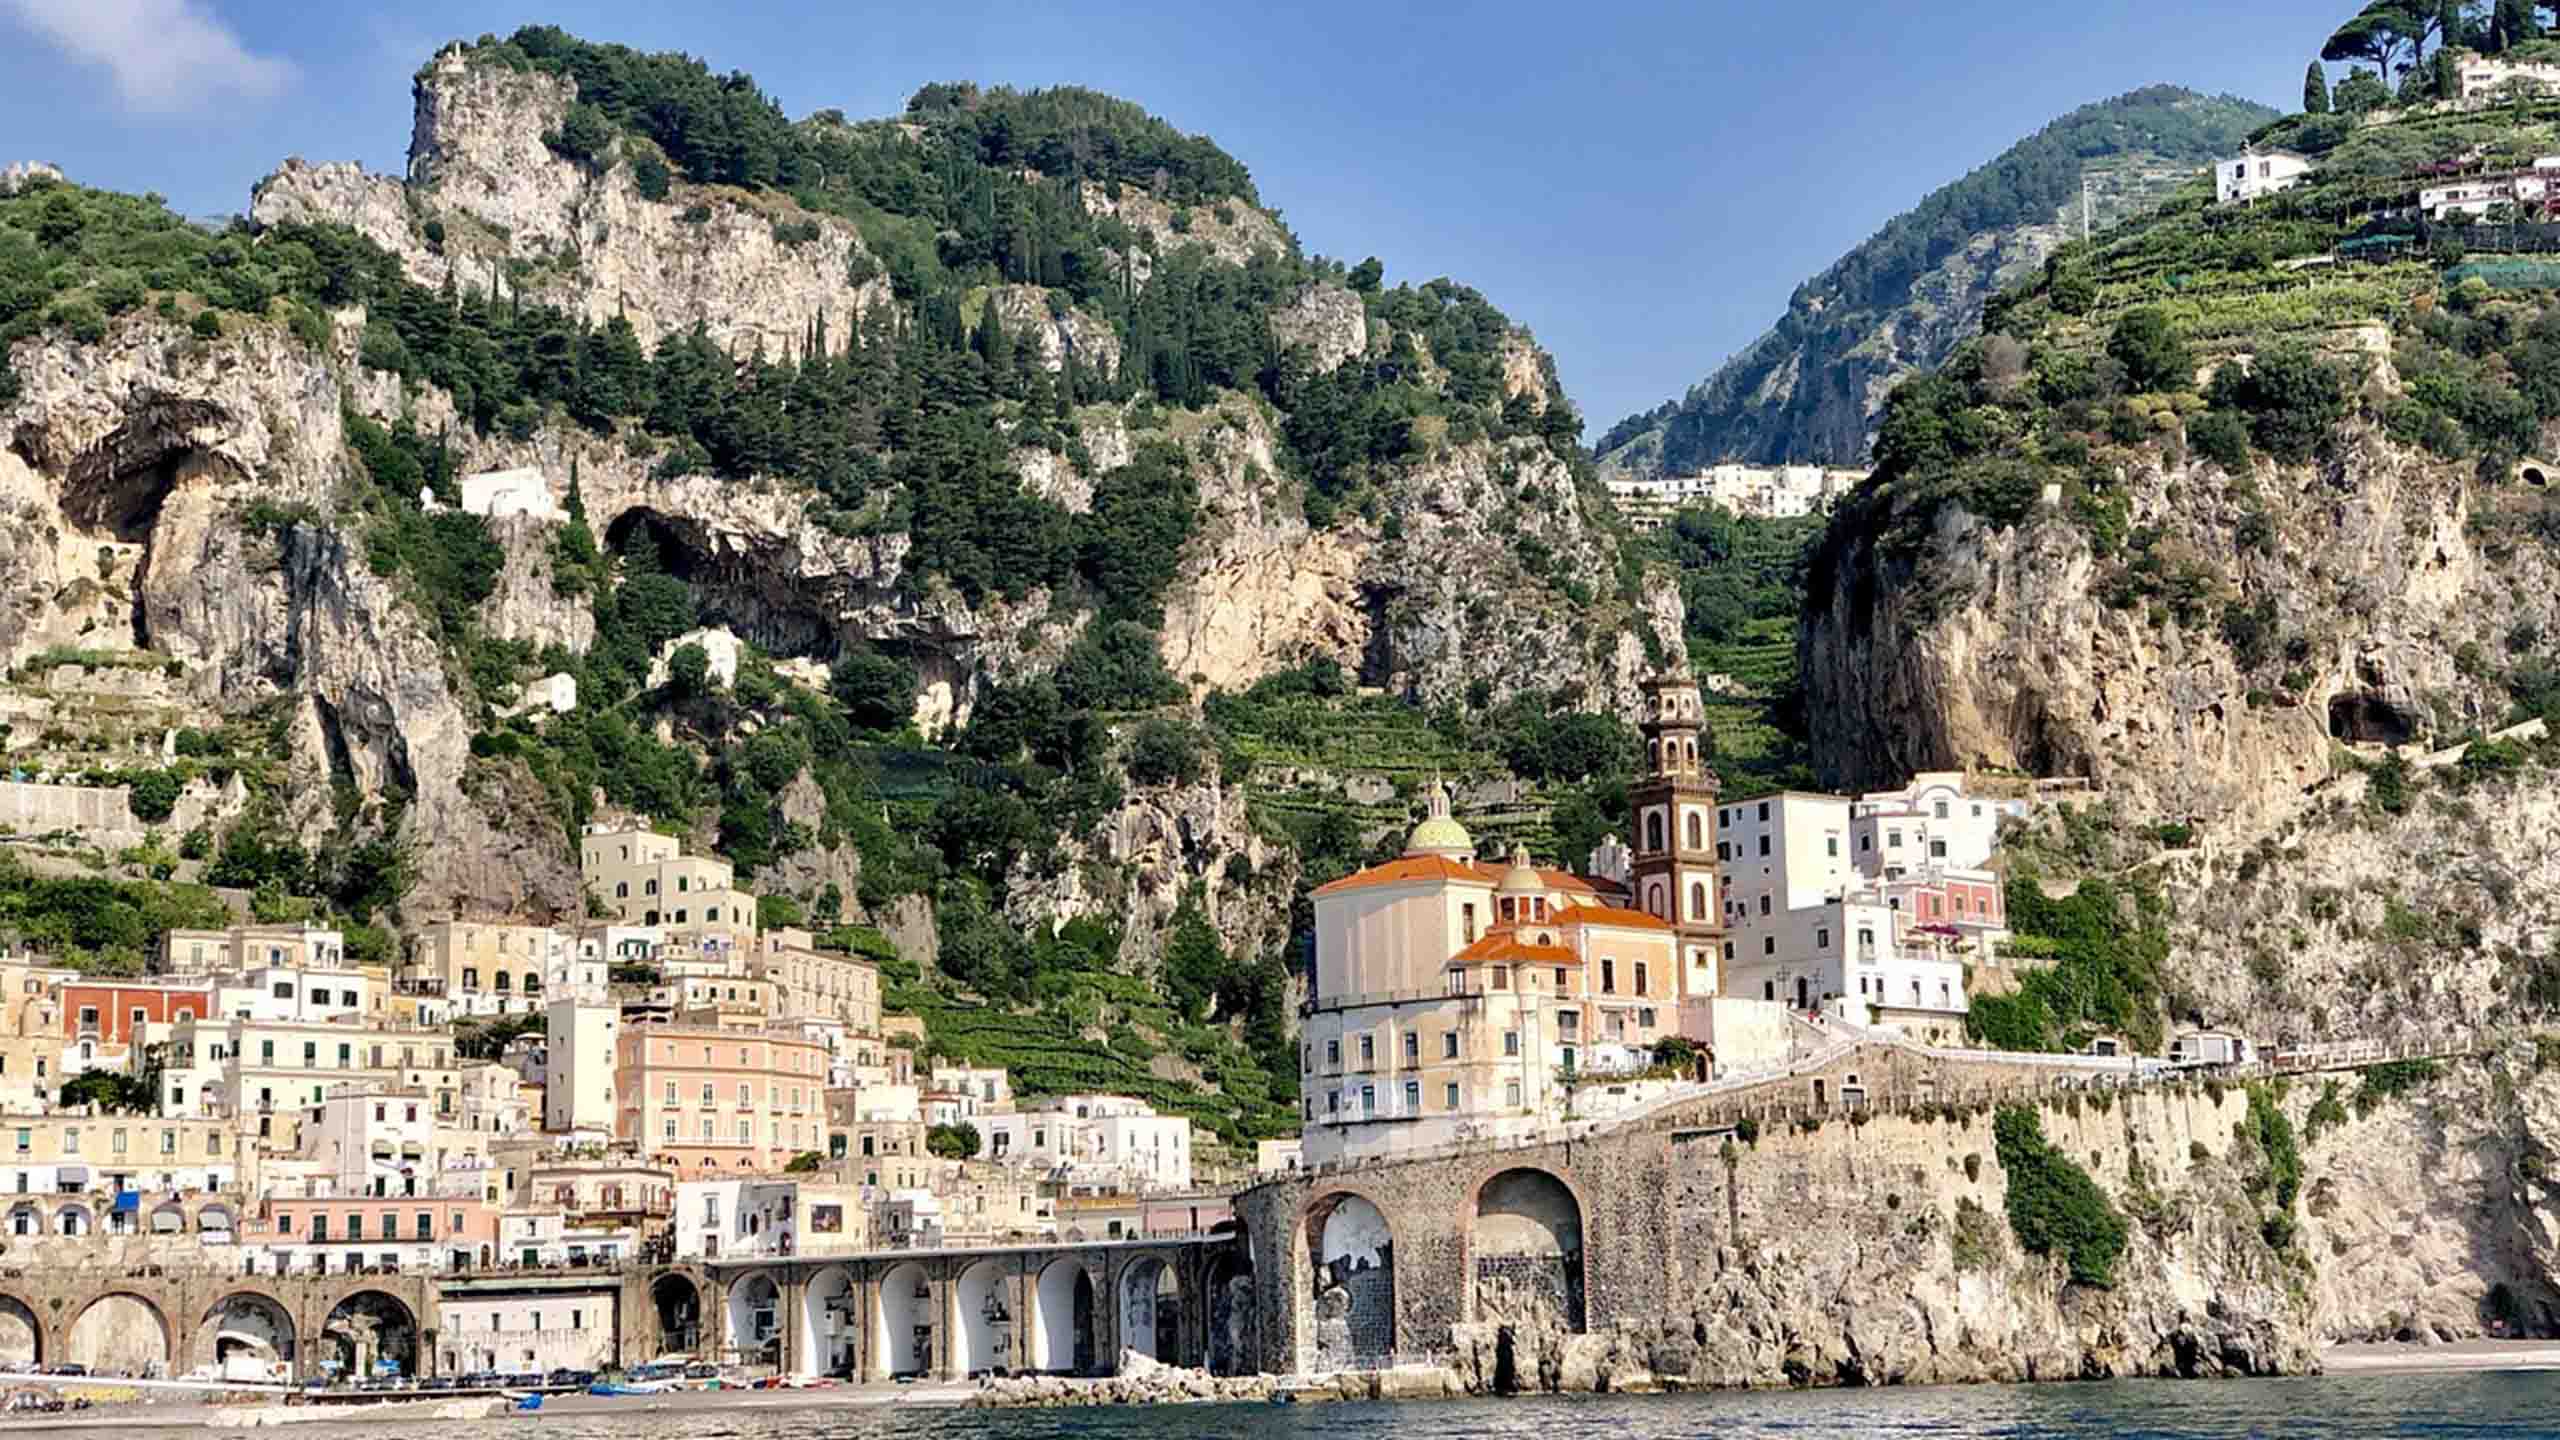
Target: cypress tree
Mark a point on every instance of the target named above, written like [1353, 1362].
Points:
[2315, 90]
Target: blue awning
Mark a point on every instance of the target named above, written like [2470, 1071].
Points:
[128, 1201]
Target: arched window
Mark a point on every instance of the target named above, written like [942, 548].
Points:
[1653, 832]
[1697, 899]
[1653, 900]
[1653, 753]
[1693, 752]
[1697, 832]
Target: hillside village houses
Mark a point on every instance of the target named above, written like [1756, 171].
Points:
[1767, 491]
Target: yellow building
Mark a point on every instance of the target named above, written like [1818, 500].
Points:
[483, 967]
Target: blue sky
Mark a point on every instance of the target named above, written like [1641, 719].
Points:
[1641, 183]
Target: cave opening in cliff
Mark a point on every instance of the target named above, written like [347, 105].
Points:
[759, 603]
[2369, 717]
[114, 493]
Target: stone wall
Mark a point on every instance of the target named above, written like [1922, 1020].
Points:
[1826, 1252]
[93, 810]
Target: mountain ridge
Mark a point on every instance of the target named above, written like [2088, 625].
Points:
[1810, 388]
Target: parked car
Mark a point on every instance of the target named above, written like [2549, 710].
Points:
[437, 1382]
[480, 1380]
[566, 1376]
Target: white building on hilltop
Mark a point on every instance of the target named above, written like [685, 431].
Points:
[2250, 174]
[1763, 491]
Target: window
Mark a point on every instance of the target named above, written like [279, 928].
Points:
[320, 1227]
[266, 1052]
[1893, 839]
[1368, 1051]
[355, 1227]
[1412, 1046]
[426, 1223]
[1448, 1048]
[1768, 944]
[1764, 809]
[1941, 810]
[1559, 979]
[1608, 976]
[1697, 832]
[1764, 904]
[1831, 846]
[71, 1140]
[346, 1056]
[1467, 923]
[1501, 977]
[1764, 845]
[1644, 1017]
[1413, 1097]
[1511, 1093]
[1449, 1097]
[1510, 1042]
[1728, 951]
[1822, 938]
[1866, 940]
[1768, 989]
[1697, 899]
[1937, 849]
[710, 1095]
[1332, 1104]
[118, 1144]
[1333, 1054]
[1640, 979]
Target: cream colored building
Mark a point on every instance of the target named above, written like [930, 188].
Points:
[72, 1154]
[705, 1100]
[485, 967]
[814, 984]
[247, 947]
[1451, 994]
[264, 1073]
[645, 878]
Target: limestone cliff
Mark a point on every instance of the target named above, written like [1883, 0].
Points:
[2021, 649]
[128, 478]
[487, 201]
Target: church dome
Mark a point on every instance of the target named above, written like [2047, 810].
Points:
[1522, 877]
[1440, 833]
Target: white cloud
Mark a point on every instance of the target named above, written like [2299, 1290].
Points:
[163, 54]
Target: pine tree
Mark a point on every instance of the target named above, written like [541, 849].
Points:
[2315, 90]
[2448, 77]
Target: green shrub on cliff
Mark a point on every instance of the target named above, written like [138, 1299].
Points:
[2054, 1207]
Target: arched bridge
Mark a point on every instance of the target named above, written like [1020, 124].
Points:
[949, 1314]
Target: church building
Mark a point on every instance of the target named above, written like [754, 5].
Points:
[1452, 993]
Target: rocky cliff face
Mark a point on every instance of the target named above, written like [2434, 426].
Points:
[130, 467]
[128, 475]
[1811, 390]
[505, 209]
[2023, 649]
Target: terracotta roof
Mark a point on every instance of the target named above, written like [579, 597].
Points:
[1611, 915]
[1548, 876]
[1407, 870]
[1505, 945]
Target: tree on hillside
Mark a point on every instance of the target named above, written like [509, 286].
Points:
[2315, 90]
[2381, 32]
[2361, 92]
[2155, 360]
[2512, 23]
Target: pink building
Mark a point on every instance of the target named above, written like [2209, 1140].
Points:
[314, 1235]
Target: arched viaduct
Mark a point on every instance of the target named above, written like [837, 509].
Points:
[947, 1314]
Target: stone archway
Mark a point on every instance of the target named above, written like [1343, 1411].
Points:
[120, 1333]
[678, 1302]
[1062, 1333]
[246, 1331]
[21, 1335]
[1151, 1309]
[369, 1332]
[1525, 1242]
[74, 1219]
[1231, 1317]
[827, 1321]
[1351, 1248]
[755, 1320]
[904, 1323]
[26, 1220]
[982, 1336]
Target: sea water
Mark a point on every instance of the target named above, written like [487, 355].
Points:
[2359, 1407]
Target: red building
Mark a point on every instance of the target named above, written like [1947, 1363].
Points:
[115, 1013]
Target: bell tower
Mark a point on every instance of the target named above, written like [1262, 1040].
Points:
[1674, 800]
